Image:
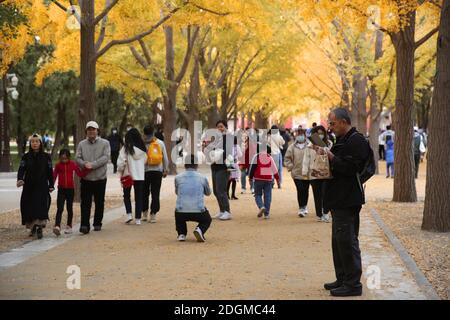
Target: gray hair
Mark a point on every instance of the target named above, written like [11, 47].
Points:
[342, 114]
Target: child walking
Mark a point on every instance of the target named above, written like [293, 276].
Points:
[263, 170]
[64, 170]
[389, 154]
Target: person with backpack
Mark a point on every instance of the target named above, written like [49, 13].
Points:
[263, 172]
[351, 163]
[131, 166]
[156, 169]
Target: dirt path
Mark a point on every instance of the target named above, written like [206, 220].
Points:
[246, 258]
[282, 258]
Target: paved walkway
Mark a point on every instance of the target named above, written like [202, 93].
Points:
[246, 258]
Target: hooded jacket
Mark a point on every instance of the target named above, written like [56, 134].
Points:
[132, 164]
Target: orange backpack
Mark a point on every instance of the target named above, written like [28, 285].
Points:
[154, 153]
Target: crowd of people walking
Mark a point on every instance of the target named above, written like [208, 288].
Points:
[329, 160]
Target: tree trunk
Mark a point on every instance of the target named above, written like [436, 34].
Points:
[261, 121]
[123, 122]
[58, 134]
[86, 109]
[170, 98]
[404, 181]
[436, 214]
[5, 156]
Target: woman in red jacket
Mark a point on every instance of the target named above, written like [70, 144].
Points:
[64, 172]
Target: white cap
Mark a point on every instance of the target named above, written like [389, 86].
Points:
[92, 124]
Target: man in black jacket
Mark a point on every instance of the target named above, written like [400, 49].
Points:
[344, 195]
[115, 142]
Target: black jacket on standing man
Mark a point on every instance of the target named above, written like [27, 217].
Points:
[344, 190]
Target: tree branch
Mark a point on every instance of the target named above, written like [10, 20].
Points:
[105, 11]
[426, 37]
[145, 51]
[59, 5]
[187, 56]
[138, 36]
[101, 37]
[138, 57]
[209, 10]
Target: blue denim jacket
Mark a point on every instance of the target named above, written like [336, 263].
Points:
[190, 187]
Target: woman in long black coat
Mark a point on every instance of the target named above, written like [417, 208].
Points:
[36, 176]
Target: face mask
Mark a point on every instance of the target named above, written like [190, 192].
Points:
[114, 132]
[300, 139]
[321, 136]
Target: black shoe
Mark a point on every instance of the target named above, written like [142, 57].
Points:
[39, 232]
[332, 285]
[97, 228]
[234, 198]
[345, 291]
[33, 231]
[84, 230]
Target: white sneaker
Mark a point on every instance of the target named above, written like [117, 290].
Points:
[181, 237]
[225, 216]
[326, 218]
[305, 209]
[152, 218]
[128, 218]
[267, 216]
[68, 230]
[253, 191]
[301, 213]
[199, 235]
[138, 222]
[217, 216]
[243, 191]
[145, 215]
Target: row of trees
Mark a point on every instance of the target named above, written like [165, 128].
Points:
[203, 60]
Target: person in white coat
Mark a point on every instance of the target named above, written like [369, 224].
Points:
[276, 143]
[131, 163]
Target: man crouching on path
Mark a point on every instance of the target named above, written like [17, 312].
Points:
[344, 195]
[191, 187]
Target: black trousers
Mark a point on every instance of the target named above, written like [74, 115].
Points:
[114, 157]
[89, 190]
[381, 152]
[318, 191]
[64, 196]
[345, 245]
[302, 192]
[138, 187]
[416, 164]
[152, 185]
[203, 219]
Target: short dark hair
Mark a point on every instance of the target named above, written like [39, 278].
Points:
[225, 124]
[342, 114]
[190, 161]
[64, 152]
[274, 127]
[149, 130]
[314, 124]
[388, 127]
